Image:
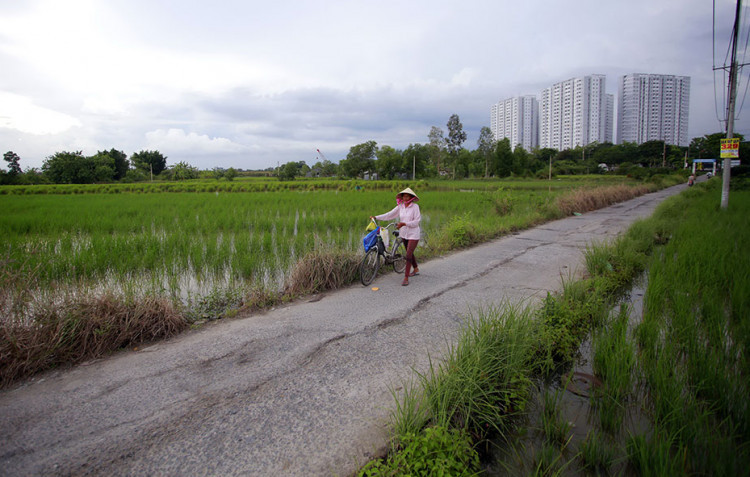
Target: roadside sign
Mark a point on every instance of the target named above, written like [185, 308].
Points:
[730, 148]
[735, 162]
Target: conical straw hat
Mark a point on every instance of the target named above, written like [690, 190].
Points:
[408, 191]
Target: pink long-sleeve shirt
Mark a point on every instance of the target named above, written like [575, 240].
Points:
[410, 215]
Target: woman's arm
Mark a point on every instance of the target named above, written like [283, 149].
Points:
[388, 215]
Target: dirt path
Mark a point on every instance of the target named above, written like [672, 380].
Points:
[300, 390]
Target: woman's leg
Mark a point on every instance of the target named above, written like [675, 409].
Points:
[411, 245]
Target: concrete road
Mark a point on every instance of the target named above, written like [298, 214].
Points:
[300, 390]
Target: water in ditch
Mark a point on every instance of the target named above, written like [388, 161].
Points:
[531, 451]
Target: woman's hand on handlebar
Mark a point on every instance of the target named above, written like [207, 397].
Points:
[400, 224]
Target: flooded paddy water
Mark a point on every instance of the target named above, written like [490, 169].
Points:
[573, 425]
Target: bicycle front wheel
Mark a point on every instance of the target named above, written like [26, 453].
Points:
[398, 252]
[368, 269]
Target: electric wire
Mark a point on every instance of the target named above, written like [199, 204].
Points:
[713, 54]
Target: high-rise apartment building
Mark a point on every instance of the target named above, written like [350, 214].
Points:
[576, 112]
[518, 120]
[653, 108]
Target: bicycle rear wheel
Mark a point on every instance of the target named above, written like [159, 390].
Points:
[368, 268]
[398, 252]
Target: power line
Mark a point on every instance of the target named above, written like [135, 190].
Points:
[747, 81]
[736, 30]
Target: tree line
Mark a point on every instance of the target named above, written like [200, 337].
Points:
[444, 155]
[104, 167]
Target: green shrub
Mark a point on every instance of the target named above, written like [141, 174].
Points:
[460, 232]
[435, 452]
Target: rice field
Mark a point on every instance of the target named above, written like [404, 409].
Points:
[84, 272]
[193, 242]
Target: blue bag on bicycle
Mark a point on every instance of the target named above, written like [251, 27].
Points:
[371, 239]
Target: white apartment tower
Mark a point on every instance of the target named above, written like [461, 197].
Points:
[518, 120]
[653, 108]
[576, 112]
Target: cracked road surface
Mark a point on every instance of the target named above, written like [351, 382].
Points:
[300, 390]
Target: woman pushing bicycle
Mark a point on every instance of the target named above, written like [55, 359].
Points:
[409, 216]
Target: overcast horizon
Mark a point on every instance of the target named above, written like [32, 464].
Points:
[250, 85]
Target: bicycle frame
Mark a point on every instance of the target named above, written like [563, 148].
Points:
[393, 255]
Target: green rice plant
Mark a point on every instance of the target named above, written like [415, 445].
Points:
[614, 357]
[555, 427]
[596, 454]
[611, 412]
[656, 455]
[548, 461]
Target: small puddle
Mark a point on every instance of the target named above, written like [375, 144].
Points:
[575, 394]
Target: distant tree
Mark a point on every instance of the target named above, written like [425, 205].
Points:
[230, 174]
[34, 175]
[462, 163]
[118, 160]
[522, 161]
[217, 173]
[456, 137]
[136, 175]
[14, 166]
[328, 168]
[390, 162]
[437, 146]
[303, 168]
[288, 171]
[502, 159]
[417, 159]
[651, 152]
[361, 159]
[105, 164]
[183, 171]
[485, 144]
[150, 161]
[68, 168]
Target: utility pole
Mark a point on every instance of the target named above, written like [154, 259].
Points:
[730, 108]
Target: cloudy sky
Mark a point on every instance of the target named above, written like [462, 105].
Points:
[249, 84]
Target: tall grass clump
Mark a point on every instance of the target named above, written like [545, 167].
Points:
[585, 200]
[483, 382]
[479, 389]
[323, 269]
[79, 327]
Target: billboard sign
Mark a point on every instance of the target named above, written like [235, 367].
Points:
[730, 148]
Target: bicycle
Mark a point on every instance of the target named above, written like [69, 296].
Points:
[378, 255]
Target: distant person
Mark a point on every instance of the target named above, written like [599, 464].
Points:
[691, 180]
[409, 216]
